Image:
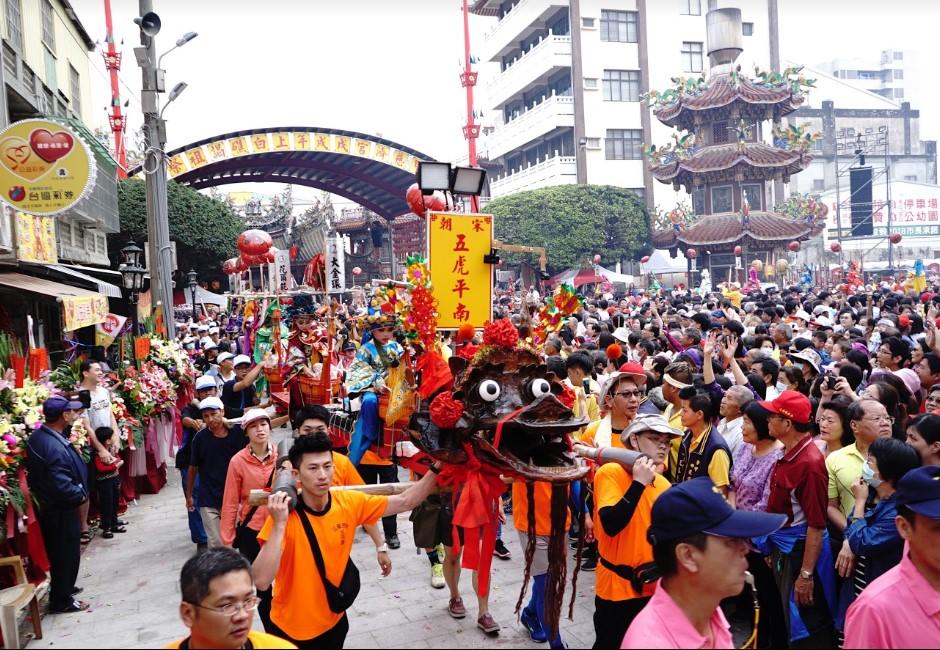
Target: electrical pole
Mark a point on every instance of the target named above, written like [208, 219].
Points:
[158, 226]
[468, 79]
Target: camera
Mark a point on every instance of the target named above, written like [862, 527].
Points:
[831, 382]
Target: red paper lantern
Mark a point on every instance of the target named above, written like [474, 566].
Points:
[895, 238]
[254, 242]
[835, 247]
[645, 259]
[293, 252]
[269, 256]
[356, 271]
[437, 202]
[419, 203]
[691, 253]
[240, 265]
[794, 246]
[597, 259]
[737, 251]
[230, 267]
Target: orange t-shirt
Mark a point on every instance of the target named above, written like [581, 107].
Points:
[344, 472]
[543, 508]
[372, 458]
[588, 436]
[629, 546]
[300, 607]
[258, 640]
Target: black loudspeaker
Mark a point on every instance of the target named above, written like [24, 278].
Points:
[860, 184]
[376, 232]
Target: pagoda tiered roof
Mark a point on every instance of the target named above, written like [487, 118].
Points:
[731, 227]
[724, 162]
[713, 99]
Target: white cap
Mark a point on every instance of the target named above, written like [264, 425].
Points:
[208, 344]
[822, 321]
[213, 330]
[253, 415]
[622, 334]
[188, 339]
[240, 359]
[225, 356]
[202, 328]
[803, 315]
[211, 403]
[212, 323]
[206, 381]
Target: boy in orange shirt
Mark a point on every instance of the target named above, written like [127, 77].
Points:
[301, 611]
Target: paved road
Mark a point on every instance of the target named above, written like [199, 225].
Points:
[132, 583]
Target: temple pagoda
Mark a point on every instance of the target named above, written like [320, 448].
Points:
[719, 156]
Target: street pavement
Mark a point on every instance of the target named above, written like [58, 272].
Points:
[132, 584]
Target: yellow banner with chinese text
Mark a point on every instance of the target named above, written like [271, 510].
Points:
[82, 311]
[35, 239]
[463, 283]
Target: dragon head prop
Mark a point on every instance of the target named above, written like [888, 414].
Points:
[506, 408]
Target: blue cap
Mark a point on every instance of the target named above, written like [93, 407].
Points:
[55, 406]
[919, 490]
[697, 506]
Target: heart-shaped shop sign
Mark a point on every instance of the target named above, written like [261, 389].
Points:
[51, 146]
[17, 156]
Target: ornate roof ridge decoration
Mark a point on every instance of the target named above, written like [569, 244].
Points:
[731, 227]
[772, 94]
[678, 218]
[724, 157]
[796, 138]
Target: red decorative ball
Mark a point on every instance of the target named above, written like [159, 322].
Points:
[254, 242]
[614, 351]
[501, 333]
[230, 267]
[691, 253]
[445, 411]
[437, 202]
[414, 200]
[466, 333]
[645, 259]
[835, 247]
[597, 259]
[737, 251]
[356, 270]
[794, 246]
[895, 238]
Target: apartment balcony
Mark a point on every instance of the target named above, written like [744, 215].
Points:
[554, 112]
[531, 69]
[559, 170]
[521, 20]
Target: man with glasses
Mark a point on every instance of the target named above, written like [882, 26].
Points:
[219, 602]
[800, 557]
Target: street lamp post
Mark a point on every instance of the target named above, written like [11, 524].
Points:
[158, 228]
[132, 275]
[191, 277]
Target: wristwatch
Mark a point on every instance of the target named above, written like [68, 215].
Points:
[806, 575]
[382, 549]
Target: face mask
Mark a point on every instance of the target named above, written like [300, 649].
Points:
[868, 475]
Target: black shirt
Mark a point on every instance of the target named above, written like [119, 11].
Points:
[212, 455]
[236, 401]
[184, 454]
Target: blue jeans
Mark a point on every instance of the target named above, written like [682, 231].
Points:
[196, 531]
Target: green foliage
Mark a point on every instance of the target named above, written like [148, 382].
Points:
[203, 228]
[574, 222]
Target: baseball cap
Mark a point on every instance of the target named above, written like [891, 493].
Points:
[211, 403]
[919, 490]
[615, 378]
[253, 415]
[697, 506]
[719, 314]
[791, 405]
[241, 359]
[208, 344]
[206, 381]
[648, 422]
[202, 328]
[225, 356]
[55, 406]
[904, 320]
[349, 346]
[802, 315]
[213, 330]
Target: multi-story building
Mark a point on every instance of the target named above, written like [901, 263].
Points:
[893, 75]
[535, 81]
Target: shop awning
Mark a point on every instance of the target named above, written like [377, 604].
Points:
[80, 307]
[108, 289]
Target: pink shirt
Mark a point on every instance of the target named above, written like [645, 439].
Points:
[661, 624]
[898, 610]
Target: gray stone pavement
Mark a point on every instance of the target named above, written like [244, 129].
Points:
[132, 583]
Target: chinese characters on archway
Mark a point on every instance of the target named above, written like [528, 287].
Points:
[462, 282]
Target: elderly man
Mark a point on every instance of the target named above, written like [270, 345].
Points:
[58, 482]
[732, 415]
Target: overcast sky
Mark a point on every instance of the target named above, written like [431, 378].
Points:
[390, 67]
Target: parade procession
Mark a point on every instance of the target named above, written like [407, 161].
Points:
[640, 350]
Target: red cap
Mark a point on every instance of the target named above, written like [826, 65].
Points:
[903, 320]
[791, 405]
[635, 369]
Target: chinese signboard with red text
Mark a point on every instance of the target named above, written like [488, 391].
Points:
[463, 283]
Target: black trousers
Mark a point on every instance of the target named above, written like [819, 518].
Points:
[382, 474]
[246, 541]
[61, 531]
[612, 618]
[333, 638]
[108, 495]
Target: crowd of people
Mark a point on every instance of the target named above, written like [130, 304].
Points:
[787, 437]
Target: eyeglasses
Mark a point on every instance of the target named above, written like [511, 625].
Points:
[250, 604]
[630, 393]
[879, 418]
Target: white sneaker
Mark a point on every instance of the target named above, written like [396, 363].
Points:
[437, 576]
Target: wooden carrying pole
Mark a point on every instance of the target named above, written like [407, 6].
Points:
[260, 497]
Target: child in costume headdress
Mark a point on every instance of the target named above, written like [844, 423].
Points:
[306, 346]
[366, 378]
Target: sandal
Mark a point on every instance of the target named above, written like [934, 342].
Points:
[118, 529]
[86, 537]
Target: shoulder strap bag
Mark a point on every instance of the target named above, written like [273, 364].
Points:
[339, 597]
